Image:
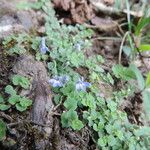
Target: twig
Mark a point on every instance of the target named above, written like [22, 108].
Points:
[108, 38]
[102, 27]
[14, 123]
[145, 56]
[56, 114]
[32, 122]
[112, 10]
[2, 114]
[55, 108]
[140, 55]
[106, 27]
[121, 47]
[26, 121]
[37, 123]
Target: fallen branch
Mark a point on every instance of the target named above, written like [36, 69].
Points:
[112, 10]
[2, 114]
[108, 38]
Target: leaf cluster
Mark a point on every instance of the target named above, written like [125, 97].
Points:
[67, 48]
[21, 103]
[110, 126]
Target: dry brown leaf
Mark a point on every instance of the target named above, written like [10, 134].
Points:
[64, 4]
[82, 13]
[80, 10]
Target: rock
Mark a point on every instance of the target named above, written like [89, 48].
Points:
[29, 67]
[6, 8]
[41, 114]
[25, 19]
[13, 20]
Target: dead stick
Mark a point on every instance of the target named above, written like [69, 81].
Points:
[112, 10]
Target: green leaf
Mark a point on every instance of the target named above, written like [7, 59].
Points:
[70, 103]
[109, 128]
[127, 50]
[111, 80]
[148, 80]
[93, 114]
[77, 124]
[35, 43]
[17, 49]
[112, 140]
[112, 105]
[102, 141]
[38, 56]
[95, 127]
[89, 101]
[94, 76]
[143, 131]
[2, 130]
[141, 24]
[97, 68]
[100, 59]
[67, 118]
[132, 146]
[76, 59]
[123, 72]
[24, 102]
[1, 99]
[67, 89]
[14, 99]
[4, 107]
[139, 76]
[20, 108]
[57, 99]
[146, 99]
[119, 134]
[10, 90]
[144, 47]
[28, 5]
[100, 126]
[51, 66]
[20, 80]
[23, 5]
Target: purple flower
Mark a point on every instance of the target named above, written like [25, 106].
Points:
[78, 46]
[59, 81]
[43, 47]
[81, 85]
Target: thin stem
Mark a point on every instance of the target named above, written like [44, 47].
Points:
[121, 46]
[108, 38]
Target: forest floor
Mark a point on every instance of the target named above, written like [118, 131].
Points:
[108, 45]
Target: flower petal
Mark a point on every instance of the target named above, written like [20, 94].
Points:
[59, 81]
[81, 85]
[55, 83]
[43, 47]
[43, 50]
[87, 84]
[64, 79]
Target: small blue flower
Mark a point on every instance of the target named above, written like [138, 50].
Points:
[81, 85]
[43, 47]
[64, 79]
[78, 46]
[59, 81]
